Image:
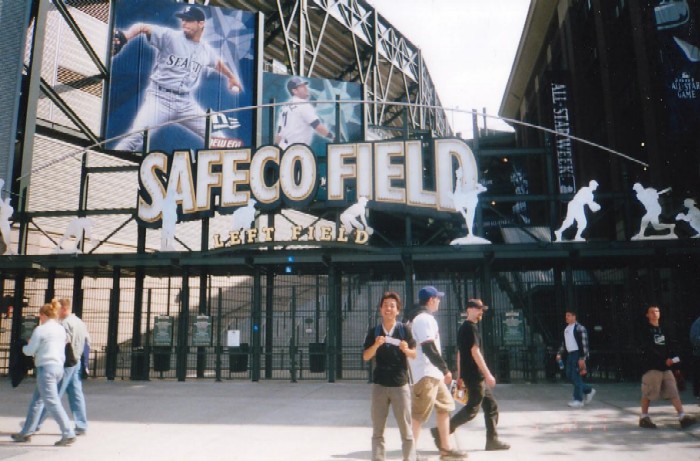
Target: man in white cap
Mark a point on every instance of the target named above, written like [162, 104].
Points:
[431, 375]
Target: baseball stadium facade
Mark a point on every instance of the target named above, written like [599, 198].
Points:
[292, 295]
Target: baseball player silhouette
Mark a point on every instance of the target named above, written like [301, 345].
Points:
[298, 121]
[181, 56]
[575, 213]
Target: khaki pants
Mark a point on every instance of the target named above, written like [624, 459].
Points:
[400, 400]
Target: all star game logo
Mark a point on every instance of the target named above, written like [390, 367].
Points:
[686, 87]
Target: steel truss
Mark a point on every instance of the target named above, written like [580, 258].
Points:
[334, 39]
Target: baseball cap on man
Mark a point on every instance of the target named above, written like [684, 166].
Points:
[428, 292]
[477, 303]
[295, 82]
[191, 13]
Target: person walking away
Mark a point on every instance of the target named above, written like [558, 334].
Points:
[431, 375]
[390, 344]
[574, 349]
[657, 380]
[475, 376]
[47, 345]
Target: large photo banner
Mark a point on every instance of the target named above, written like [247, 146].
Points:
[173, 62]
[677, 24]
[303, 117]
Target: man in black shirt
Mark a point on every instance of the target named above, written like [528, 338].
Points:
[658, 381]
[476, 377]
[390, 343]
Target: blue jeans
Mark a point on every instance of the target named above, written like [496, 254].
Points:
[72, 384]
[572, 372]
[46, 394]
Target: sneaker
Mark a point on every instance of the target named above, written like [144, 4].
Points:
[647, 424]
[436, 436]
[19, 437]
[80, 431]
[452, 455]
[65, 441]
[495, 445]
[687, 421]
[575, 404]
[589, 396]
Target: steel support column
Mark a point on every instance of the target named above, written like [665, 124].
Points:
[182, 326]
[269, 329]
[16, 342]
[113, 326]
[77, 301]
[256, 316]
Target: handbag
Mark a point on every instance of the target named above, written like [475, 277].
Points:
[70, 361]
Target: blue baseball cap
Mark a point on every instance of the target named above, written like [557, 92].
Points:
[428, 292]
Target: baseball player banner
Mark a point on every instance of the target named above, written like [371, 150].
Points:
[301, 121]
[173, 62]
[679, 43]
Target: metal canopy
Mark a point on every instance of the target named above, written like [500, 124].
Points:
[358, 259]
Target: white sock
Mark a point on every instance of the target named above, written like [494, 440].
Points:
[681, 415]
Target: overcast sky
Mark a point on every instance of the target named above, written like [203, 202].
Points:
[468, 45]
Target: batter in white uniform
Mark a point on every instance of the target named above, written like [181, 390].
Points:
[298, 121]
[180, 58]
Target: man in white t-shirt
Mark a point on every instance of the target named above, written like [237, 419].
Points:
[298, 121]
[431, 375]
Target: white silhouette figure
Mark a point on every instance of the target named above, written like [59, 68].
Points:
[650, 199]
[79, 230]
[576, 213]
[168, 222]
[466, 200]
[6, 212]
[354, 217]
[243, 217]
[692, 217]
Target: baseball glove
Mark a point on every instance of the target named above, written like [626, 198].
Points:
[118, 41]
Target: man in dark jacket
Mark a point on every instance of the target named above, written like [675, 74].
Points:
[574, 349]
[657, 380]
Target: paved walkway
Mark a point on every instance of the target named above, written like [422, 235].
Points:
[313, 421]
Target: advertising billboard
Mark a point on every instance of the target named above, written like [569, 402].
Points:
[299, 120]
[676, 29]
[172, 63]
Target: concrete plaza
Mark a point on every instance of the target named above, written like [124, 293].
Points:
[318, 421]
